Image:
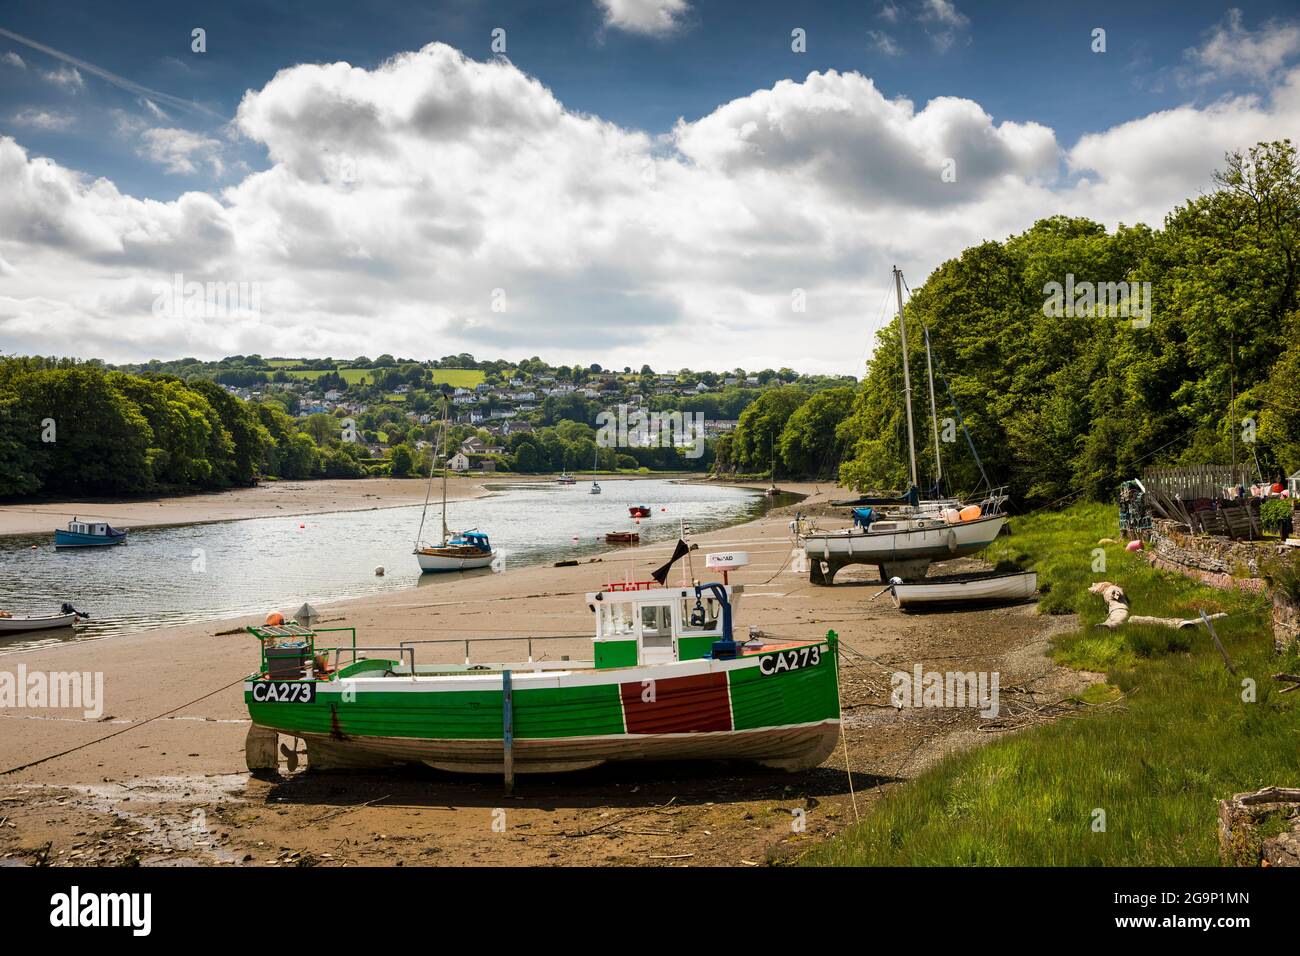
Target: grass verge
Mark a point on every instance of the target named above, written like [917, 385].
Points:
[1133, 782]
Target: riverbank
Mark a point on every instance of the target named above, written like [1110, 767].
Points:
[268, 499]
[1135, 778]
[158, 777]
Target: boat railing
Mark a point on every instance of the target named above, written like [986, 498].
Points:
[355, 651]
[467, 641]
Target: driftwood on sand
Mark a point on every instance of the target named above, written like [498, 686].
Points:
[1118, 610]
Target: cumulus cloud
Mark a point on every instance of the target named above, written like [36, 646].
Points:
[1233, 50]
[11, 58]
[651, 17]
[398, 199]
[837, 131]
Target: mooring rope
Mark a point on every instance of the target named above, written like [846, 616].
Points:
[116, 733]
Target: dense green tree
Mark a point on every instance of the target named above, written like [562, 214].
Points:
[808, 445]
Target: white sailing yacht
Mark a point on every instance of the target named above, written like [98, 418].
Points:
[458, 552]
[595, 461]
[904, 545]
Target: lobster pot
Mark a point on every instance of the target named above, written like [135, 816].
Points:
[287, 661]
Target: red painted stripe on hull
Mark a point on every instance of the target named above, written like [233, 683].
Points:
[678, 705]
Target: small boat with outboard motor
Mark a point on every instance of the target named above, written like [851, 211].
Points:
[67, 616]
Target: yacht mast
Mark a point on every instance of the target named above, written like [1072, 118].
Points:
[934, 410]
[446, 436]
[907, 375]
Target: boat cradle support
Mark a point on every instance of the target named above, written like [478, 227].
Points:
[823, 568]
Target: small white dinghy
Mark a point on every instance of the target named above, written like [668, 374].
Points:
[15, 623]
[997, 587]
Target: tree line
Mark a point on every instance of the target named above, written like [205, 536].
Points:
[68, 427]
[1065, 398]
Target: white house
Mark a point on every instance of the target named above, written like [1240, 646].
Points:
[459, 462]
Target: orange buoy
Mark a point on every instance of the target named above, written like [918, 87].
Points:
[274, 619]
[1134, 545]
[970, 513]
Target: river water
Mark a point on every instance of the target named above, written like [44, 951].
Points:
[201, 572]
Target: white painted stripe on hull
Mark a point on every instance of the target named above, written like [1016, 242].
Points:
[530, 680]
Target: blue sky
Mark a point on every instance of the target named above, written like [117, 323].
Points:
[633, 173]
[1020, 61]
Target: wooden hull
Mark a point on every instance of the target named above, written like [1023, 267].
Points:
[777, 706]
[40, 622]
[974, 590]
[622, 537]
[795, 748]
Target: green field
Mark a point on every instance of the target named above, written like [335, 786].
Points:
[455, 377]
[1153, 750]
[458, 377]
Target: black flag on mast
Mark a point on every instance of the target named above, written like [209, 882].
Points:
[679, 552]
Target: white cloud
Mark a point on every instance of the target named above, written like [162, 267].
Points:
[882, 42]
[11, 58]
[66, 77]
[888, 12]
[43, 119]
[651, 17]
[177, 150]
[398, 198]
[1233, 50]
[944, 21]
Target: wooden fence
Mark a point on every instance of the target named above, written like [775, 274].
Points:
[1195, 496]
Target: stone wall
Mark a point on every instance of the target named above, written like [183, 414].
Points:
[1286, 621]
[1220, 562]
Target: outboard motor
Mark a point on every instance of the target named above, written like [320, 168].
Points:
[67, 608]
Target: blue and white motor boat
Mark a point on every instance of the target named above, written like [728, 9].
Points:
[88, 534]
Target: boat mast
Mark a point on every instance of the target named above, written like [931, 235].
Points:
[428, 492]
[446, 447]
[934, 411]
[907, 375]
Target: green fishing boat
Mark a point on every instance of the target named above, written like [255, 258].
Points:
[667, 681]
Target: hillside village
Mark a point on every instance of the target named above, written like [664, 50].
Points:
[393, 402]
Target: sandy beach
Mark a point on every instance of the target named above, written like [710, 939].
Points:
[269, 498]
[159, 777]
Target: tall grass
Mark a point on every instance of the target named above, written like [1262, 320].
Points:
[1132, 783]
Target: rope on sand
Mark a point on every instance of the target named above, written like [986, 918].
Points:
[116, 733]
